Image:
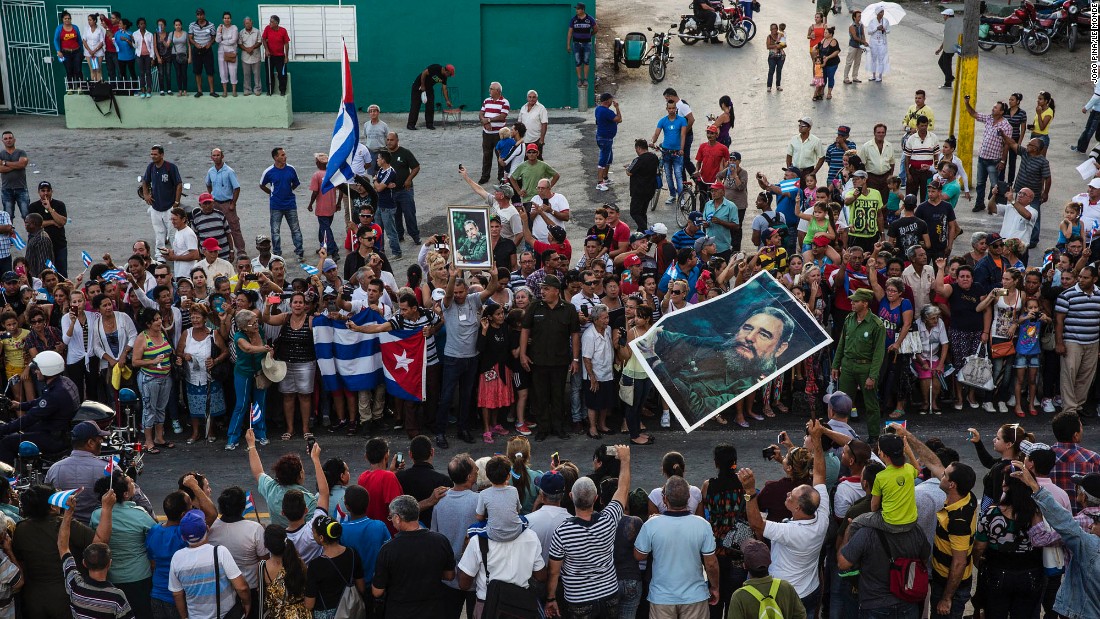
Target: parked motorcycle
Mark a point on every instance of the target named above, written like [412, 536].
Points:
[1019, 28]
[633, 53]
[1061, 23]
[691, 31]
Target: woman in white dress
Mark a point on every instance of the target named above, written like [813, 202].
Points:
[876, 39]
[94, 42]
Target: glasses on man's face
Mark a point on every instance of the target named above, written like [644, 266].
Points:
[162, 275]
[544, 188]
[366, 214]
[589, 283]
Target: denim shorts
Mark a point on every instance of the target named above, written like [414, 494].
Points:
[582, 52]
[1027, 361]
[606, 154]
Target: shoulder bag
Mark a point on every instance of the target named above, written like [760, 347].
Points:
[977, 371]
[351, 604]
[504, 599]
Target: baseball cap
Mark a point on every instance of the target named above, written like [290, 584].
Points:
[193, 526]
[552, 483]
[329, 265]
[551, 281]
[910, 201]
[450, 69]
[994, 237]
[806, 120]
[206, 197]
[580, 5]
[860, 174]
[262, 238]
[793, 170]
[636, 236]
[1090, 485]
[632, 260]
[717, 185]
[211, 245]
[659, 228]
[1028, 447]
[558, 233]
[86, 430]
[505, 189]
[532, 147]
[702, 242]
[892, 446]
[1094, 183]
[695, 217]
[47, 185]
[948, 12]
[756, 554]
[843, 130]
[612, 206]
[606, 96]
[840, 402]
[10, 276]
[438, 294]
[735, 156]
[821, 240]
[712, 129]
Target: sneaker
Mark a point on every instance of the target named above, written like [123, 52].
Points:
[523, 429]
[1048, 405]
[671, 200]
[988, 407]
[1074, 149]
[602, 186]
[263, 442]
[1002, 407]
[1012, 400]
[666, 419]
[487, 437]
[532, 424]
[1058, 401]
[230, 446]
[441, 441]
[176, 426]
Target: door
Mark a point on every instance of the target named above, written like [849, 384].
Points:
[537, 59]
[5, 92]
[29, 65]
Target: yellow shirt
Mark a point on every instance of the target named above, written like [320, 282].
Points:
[13, 350]
[896, 486]
[910, 119]
[1047, 113]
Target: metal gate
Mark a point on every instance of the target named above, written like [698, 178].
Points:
[30, 68]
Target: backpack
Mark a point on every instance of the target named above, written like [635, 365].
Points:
[103, 92]
[908, 576]
[776, 224]
[351, 604]
[504, 600]
[769, 608]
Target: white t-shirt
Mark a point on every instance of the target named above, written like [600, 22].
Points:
[1016, 227]
[183, 242]
[195, 566]
[307, 547]
[695, 497]
[511, 562]
[245, 541]
[1089, 212]
[538, 227]
[797, 544]
[847, 492]
[544, 521]
[510, 223]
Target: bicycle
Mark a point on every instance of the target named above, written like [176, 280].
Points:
[695, 192]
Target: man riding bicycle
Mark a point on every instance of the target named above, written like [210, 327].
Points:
[46, 420]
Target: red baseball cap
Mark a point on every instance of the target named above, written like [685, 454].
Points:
[450, 69]
[205, 197]
[211, 245]
[632, 260]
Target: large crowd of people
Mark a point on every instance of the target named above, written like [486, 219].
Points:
[217, 338]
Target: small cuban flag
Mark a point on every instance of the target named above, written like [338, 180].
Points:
[341, 515]
[59, 499]
[114, 274]
[249, 504]
[1093, 229]
[18, 241]
[256, 414]
[1048, 259]
[112, 466]
[50, 265]
[309, 269]
[86, 258]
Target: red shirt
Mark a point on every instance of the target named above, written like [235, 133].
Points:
[621, 234]
[382, 487]
[276, 40]
[840, 294]
[565, 249]
[110, 36]
[68, 40]
[710, 160]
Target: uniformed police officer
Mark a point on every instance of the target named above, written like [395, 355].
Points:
[46, 420]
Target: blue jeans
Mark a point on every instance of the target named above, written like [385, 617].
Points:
[291, 217]
[406, 212]
[606, 156]
[582, 52]
[987, 169]
[634, 411]
[1092, 128]
[843, 603]
[247, 393]
[958, 601]
[775, 69]
[903, 610]
[630, 596]
[325, 238]
[11, 197]
[603, 608]
[830, 73]
[388, 218]
[460, 373]
[673, 166]
[61, 259]
[812, 601]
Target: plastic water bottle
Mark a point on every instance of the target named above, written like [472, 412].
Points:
[855, 413]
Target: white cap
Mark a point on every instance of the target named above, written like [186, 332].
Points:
[660, 228]
[1095, 183]
[948, 12]
[438, 294]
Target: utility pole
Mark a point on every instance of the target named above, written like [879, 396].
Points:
[966, 83]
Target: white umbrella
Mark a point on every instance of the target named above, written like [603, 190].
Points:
[892, 13]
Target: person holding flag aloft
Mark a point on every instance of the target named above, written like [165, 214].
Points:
[251, 349]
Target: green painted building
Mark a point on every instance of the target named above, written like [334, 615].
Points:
[520, 44]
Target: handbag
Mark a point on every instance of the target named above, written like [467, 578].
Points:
[626, 390]
[504, 599]
[262, 381]
[1000, 350]
[230, 56]
[911, 344]
[237, 612]
[351, 605]
[977, 371]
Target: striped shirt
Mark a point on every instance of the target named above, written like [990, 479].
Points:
[213, 225]
[1082, 310]
[93, 599]
[425, 318]
[490, 108]
[203, 34]
[834, 156]
[955, 527]
[586, 550]
[922, 153]
[992, 147]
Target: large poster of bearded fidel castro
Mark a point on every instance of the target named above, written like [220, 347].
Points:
[707, 356]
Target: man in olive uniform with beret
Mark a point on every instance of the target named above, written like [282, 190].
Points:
[859, 354]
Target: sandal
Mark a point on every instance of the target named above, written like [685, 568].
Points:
[828, 96]
[152, 450]
[308, 436]
[769, 413]
[847, 81]
[211, 439]
[165, 445]
[286, 436]
[596, 436]
[782, 408]
[743, 424]
[897, 414]
[191, 441]
[756, 417]
[648, 441]
[722, 421]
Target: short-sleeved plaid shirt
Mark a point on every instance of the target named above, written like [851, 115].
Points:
[5, 240]
[992, 147]
[1072, 459]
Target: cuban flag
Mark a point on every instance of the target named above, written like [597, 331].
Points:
[59, 499]
[310, 269]
[341, 515]
[114, 274]
[50, 264]
[256, 415]
[1048, 259]
[1093, 229]
[112, 466]
[345, 135]
[360, 361]
[86, 258]
[249, 504]
[18, 241]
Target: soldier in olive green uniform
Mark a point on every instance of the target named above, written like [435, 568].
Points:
[859, 354]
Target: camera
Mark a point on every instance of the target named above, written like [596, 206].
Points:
[251, 277]
[768, 453]
[345, 292]
[611, 451]
[310, 442]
